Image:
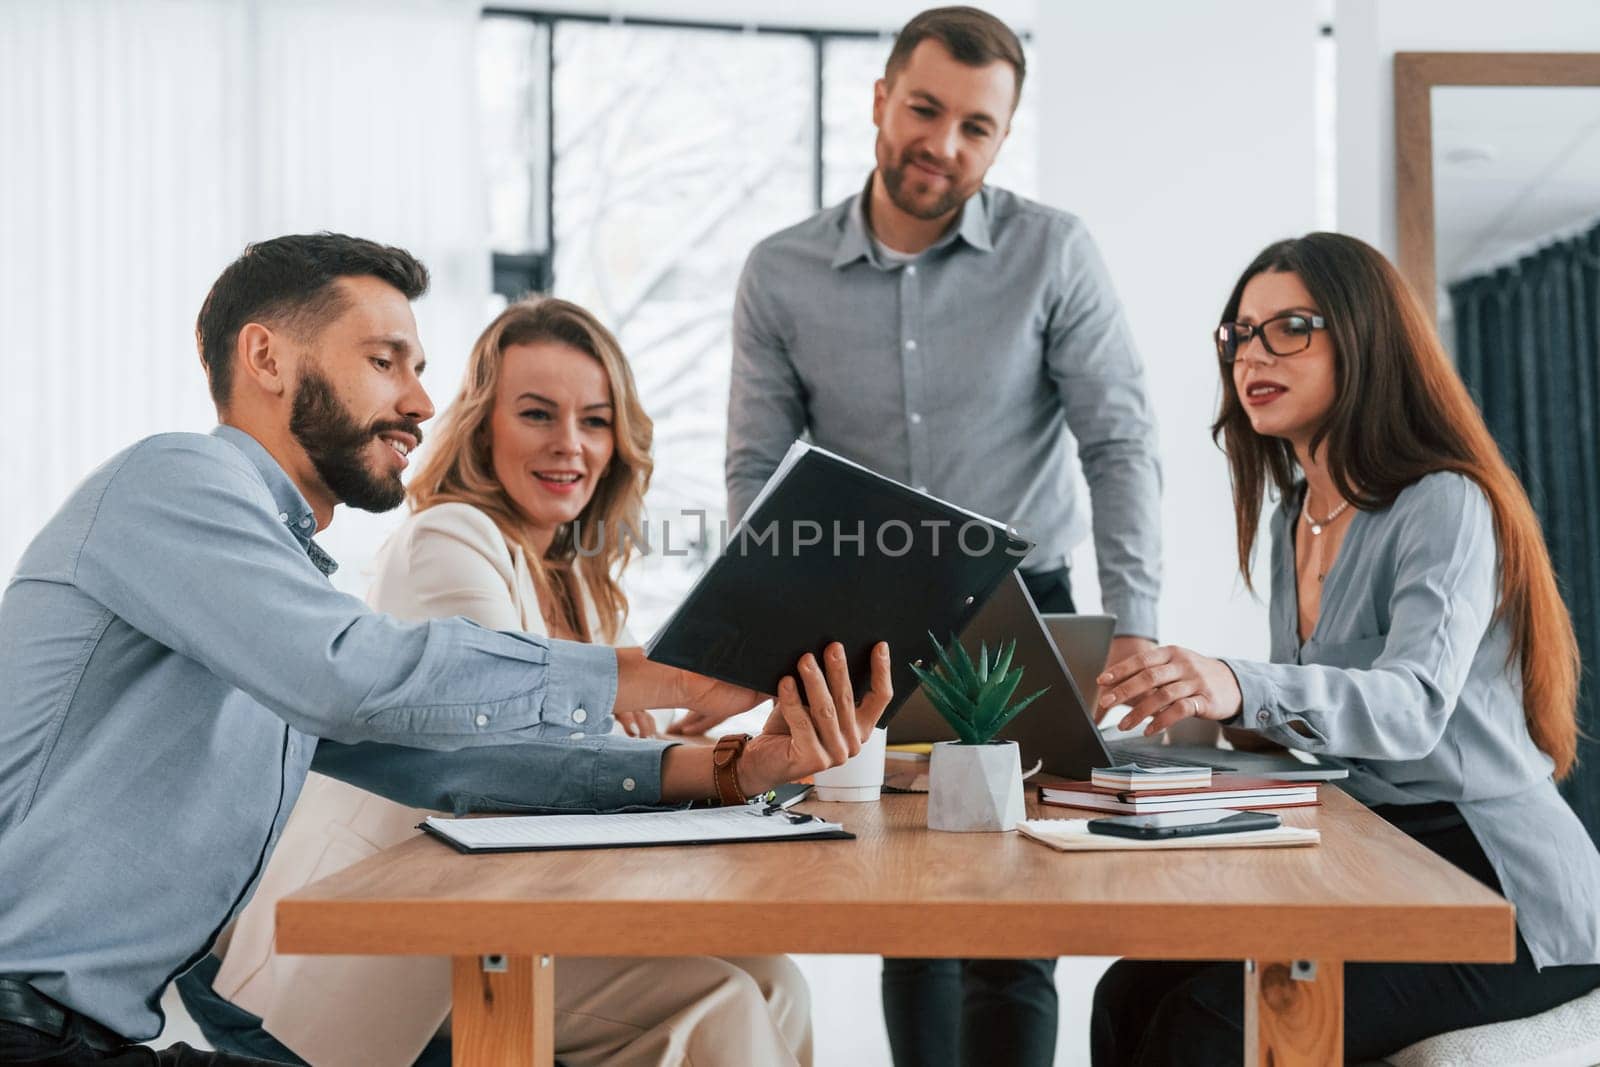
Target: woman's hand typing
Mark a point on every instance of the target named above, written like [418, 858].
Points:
[1169, 684]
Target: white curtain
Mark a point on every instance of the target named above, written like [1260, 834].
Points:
[144, 143]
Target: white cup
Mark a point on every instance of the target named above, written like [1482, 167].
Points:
[858, 778]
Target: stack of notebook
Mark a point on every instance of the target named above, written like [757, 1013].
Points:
[1225, 791]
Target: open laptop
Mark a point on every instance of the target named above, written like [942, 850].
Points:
[1084, 640]
[1057, 730]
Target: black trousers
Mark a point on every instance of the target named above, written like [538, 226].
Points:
[1157, 1013]
[995, 1013]
[27, 1047]
[228, 1026]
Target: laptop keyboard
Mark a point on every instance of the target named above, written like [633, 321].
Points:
[1142, 755]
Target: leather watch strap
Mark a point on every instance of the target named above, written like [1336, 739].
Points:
[725, 769]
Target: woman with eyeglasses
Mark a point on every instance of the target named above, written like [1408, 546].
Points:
[1418, 637]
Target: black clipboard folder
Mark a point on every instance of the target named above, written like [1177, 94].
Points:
[833, 551]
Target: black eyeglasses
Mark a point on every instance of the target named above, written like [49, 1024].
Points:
[1281, 335]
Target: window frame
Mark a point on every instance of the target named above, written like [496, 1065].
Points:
[516, 274]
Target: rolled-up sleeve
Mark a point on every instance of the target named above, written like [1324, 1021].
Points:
[1097, 372]
[185, 547]
[1390, 697]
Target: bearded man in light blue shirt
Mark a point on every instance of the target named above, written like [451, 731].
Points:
[173, 660]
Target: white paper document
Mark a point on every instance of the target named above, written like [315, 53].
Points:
[529, 832]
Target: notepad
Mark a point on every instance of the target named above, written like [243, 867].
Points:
[531, 833]
[1072, 835]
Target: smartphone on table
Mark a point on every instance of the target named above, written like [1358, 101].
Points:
[1184, 824]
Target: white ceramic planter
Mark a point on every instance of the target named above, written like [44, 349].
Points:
[975, 787]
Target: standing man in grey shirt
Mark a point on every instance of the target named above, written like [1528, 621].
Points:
[965, 341]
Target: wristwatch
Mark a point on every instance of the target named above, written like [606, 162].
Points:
[725, 769]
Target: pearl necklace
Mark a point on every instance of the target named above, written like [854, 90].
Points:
[1317, 526]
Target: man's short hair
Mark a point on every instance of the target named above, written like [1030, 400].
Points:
[288, 283]
[973, 37]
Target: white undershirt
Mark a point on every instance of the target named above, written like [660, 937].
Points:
[893, 256]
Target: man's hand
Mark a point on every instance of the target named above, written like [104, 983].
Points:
[710, 702]
[1168, 684]
[801, 739]
[643, 685]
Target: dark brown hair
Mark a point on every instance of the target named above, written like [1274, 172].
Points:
[1400, 412]
[973, 37]
[288, 282]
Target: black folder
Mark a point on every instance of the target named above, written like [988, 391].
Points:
[832, 551]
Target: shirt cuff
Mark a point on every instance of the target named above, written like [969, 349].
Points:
[1256, 710]
[580, 689]
[1261, 708]
[627, 772]
[1136, 617]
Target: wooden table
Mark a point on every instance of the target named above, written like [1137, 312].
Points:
[1367, 893]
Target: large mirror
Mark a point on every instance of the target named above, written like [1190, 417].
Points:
[1496, 153]
[1498, 218]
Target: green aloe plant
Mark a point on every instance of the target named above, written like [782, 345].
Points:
[974, 698]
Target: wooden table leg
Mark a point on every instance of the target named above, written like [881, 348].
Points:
[503, 1011]
[1293, 1013]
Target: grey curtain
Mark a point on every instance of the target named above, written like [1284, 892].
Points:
[1528, 346]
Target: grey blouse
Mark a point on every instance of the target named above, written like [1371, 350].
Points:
[1405, 681]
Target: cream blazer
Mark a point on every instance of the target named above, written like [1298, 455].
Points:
[374, 1011]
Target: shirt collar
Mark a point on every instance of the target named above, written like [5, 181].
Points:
[856, 241]
[293, 511]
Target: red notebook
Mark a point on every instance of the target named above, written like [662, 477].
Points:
[1225, 791]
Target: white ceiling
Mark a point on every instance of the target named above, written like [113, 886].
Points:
[1532, 171]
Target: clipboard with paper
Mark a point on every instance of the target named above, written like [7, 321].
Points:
[715, 826]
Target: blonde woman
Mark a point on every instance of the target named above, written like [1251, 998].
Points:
[545, 443]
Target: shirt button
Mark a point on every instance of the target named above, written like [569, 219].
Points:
[628, 784]
[283, 516]
[911, 346]
[911, 270]
[578, 735]
[1262, 717]
[580, 716]
[916, 417]
[482, 720]
[304, 523]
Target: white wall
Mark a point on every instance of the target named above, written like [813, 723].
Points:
[1370, 32]
[1183, 134]
[881, 15]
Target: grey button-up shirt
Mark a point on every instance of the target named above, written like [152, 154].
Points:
[980, 372]
[170, 652]
[1404, 681]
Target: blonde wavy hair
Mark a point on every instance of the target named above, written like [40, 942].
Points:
[458, 467]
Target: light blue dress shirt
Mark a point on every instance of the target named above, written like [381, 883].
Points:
[171, 651]
[982, 371]
[1405, 681]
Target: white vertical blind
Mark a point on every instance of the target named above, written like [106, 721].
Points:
[143, 145]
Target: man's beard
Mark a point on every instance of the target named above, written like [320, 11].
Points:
[336, 444]
[894, 183]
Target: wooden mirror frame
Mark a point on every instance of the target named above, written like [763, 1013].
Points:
[1415, 75]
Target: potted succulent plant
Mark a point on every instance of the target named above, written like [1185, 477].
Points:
[974, 783]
